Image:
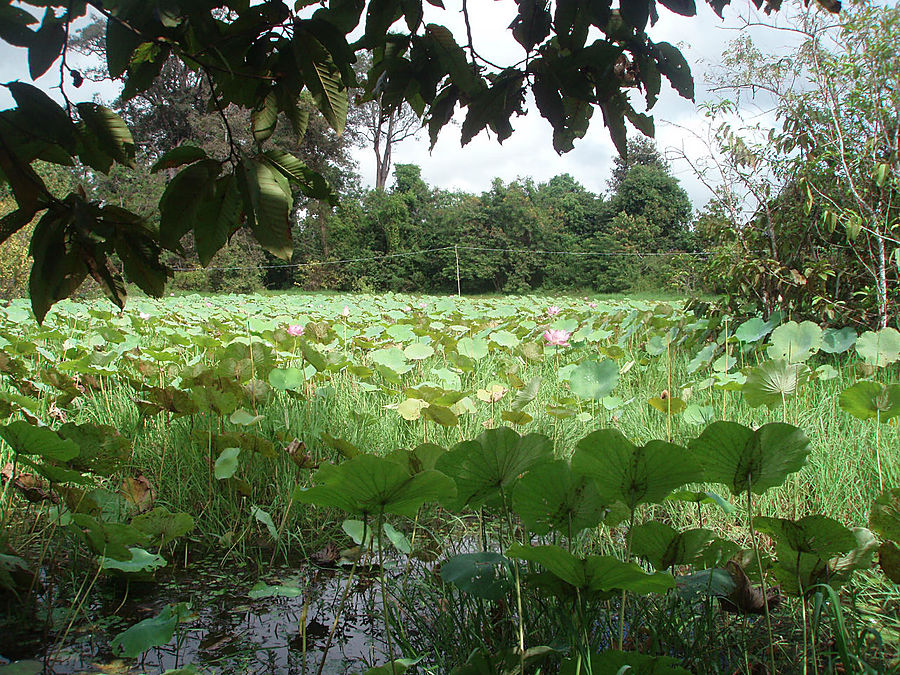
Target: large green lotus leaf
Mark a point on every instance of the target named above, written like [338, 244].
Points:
[664, 546]
[504, 338]
[556, 498]
[753, 330]
[838, 340]
[111, 540]
[594, 379]
[367, 485]
[141, 561]
[440, 414]
[391, 358]
[702, 358]
[400, 332]
[162, 526]
[771, 382]
[595, 572]
[485, 575]
[633, 474]
[491, 464]
[474, 348]
[418, 351]
[868, 399]
[227, 463]
[423, 457]
[152, 632]
[795, 342]
[880, 348]
[102, 449]
[744, 459]
[287, 379]
[614, 662]
[28, 439]
[816, 535]
[884, 517]
[55, 474]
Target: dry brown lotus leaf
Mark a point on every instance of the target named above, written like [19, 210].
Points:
[327, 555]
[296, 450]
[32, 487]
[138, 492]
[747, 598]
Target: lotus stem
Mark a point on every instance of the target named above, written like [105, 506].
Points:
[337, 616]
[762, 578]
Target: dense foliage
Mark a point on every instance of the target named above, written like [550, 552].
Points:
[592, 483]
[263, 59]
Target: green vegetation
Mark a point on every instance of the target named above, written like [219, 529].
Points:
[564, 487]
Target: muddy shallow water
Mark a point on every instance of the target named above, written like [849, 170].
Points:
[227, 631]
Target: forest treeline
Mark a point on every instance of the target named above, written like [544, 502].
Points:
[804, 215]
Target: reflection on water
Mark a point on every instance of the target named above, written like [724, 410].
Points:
[228, 631]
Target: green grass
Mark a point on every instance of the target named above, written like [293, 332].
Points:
[174, 455]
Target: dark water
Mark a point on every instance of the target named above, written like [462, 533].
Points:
[227, 631]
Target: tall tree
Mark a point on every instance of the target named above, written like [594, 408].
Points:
[261, 57]
[836, 156]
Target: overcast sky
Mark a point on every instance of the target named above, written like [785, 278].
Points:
[529, 152]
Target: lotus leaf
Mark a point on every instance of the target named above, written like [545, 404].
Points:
[880, 348]
[771, 382]
[369, 485]
[744, 459]
[594, 380]
[838, 340]
[153, 632]
[141, 561]
[753, 330]
[795, 342]
[595, 572]
[555, 497]
[227, 463]
[484, 575]
[633, 474]
[27, 439]
[162, 526]
[868, 399]
[884, 517]
[491, 464]
[664, 546]
[262, 590]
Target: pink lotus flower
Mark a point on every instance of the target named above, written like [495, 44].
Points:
[422, 305]
[557, 337]
[592, 305]
[345, 311]
[295, 329]
[143, 315]
[553, 310]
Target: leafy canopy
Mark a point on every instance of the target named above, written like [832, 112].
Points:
[579, 57]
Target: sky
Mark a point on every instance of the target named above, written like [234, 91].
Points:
[529, 152]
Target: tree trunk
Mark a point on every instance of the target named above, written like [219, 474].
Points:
[383, 158]
[881, 285]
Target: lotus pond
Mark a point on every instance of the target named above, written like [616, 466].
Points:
[390, 484]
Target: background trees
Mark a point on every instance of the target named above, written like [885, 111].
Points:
[823, 234]
[266, 59]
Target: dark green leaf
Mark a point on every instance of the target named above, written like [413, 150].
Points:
[46, 45]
